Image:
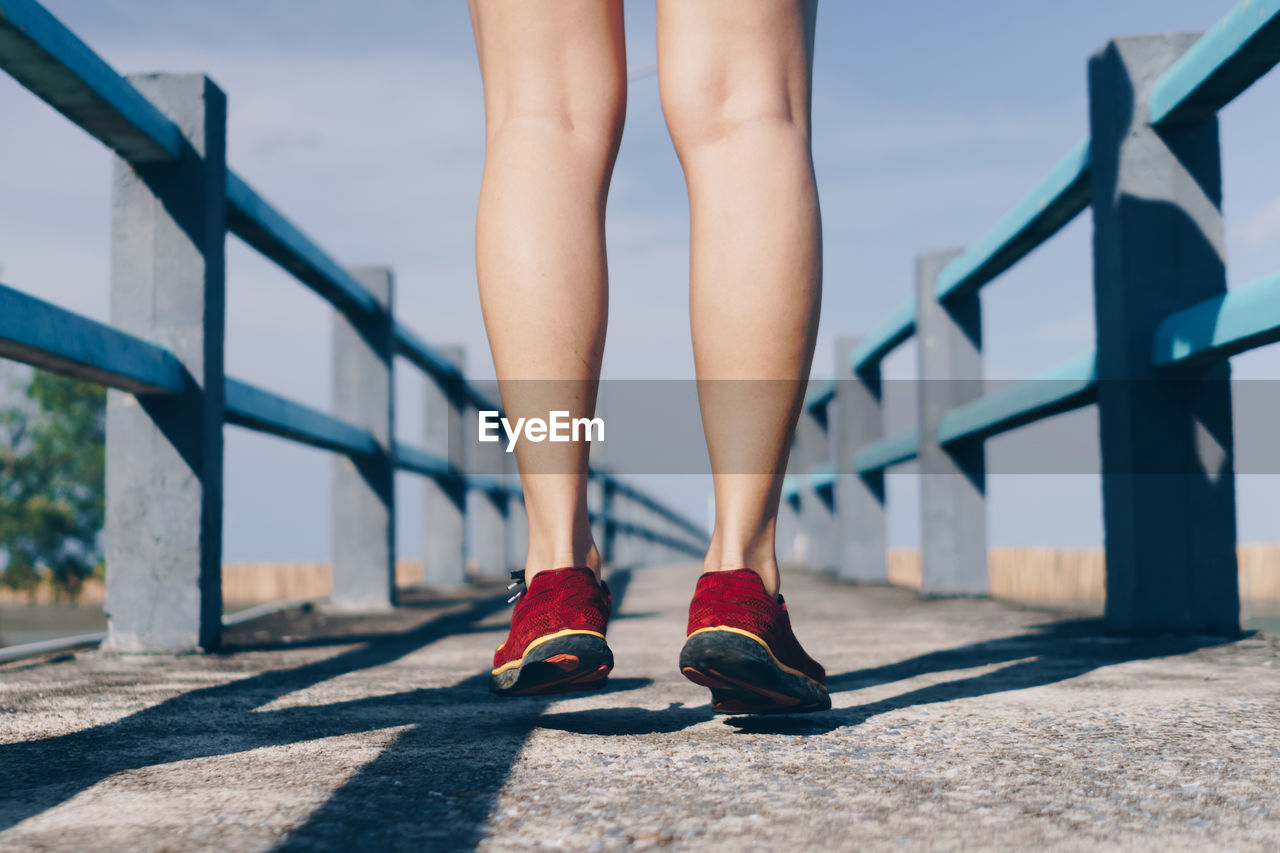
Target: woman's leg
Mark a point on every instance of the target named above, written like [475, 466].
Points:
[555, 96]
[735, 82]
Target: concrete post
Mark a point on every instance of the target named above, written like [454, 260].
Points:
[445, 501]
[608, 502]
[817, 505]
[164, 454]
[487, 511]
[788, 522]
[597, 505]
[952, 480]
[796, 497]
[364, 503]
[642, 517]
[664, 552]
[517, 529]
[826, 529]
[644, 542]
[652, 549]
[622, 543]
[1168, 484]
[859, 421]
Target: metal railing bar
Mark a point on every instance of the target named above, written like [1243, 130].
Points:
[693, 548]
[1057, 200]
[887, 452]
[1240, 319]
[822, 476]
[435, 365]
[489, 484]
[1067, 386]
[649, 503]
[251, 218]
[1228, 59]
[257, 611]
[260, 410]
[790, 487]
[50, 61]
[51, 338]
[900, 326]
[432, 362]
[9, 654]
[419, 461]
[820, 393]
[43, 647]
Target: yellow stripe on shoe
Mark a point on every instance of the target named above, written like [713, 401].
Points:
[544, 638]
[782, 666]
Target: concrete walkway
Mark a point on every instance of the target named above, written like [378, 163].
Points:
[957, 724]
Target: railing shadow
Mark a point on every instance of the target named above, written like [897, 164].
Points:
[435, 785]
[1046, 654]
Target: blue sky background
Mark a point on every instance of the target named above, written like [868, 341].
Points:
[363, 122]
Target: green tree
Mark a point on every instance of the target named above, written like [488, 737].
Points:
[52, 458]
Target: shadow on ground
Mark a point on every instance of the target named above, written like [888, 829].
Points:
[1045, 654]
[434, 786]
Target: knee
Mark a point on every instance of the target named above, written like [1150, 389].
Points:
[587, 118]
[710, 108]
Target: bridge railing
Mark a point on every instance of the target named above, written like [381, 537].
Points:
[1164, 325]
[173, 202]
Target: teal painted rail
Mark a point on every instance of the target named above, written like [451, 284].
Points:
[1060, 389]
[626, 490]
[1222, 64]
[425, 356]
[35, 332]
[257, 409]
[819, 393]
[1239, 320]
[251, 218]
[48, 59]
[822, 476]
[895, 331]
[647, 533]
[1160, 313]
[790, 488]
[1057, 200]
[894, 450]
[1230, 57]
[419, 461]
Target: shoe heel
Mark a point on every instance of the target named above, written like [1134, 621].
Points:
[571, 662]
[744, 677]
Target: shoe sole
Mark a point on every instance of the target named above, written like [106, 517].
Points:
[561, 664]
[745, 678]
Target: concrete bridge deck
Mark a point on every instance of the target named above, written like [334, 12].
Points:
[957, 724]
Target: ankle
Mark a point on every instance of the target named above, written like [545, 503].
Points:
[731, 549]
[767, 570]
[588, 557]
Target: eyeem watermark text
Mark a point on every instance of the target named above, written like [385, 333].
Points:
[558, 427]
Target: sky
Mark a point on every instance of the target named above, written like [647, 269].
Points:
[363, 123]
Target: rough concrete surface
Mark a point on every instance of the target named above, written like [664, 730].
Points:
[958, 724]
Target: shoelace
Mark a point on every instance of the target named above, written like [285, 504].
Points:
[518, 584]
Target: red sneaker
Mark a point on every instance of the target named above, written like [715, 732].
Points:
[740, 645]
[556, 640]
